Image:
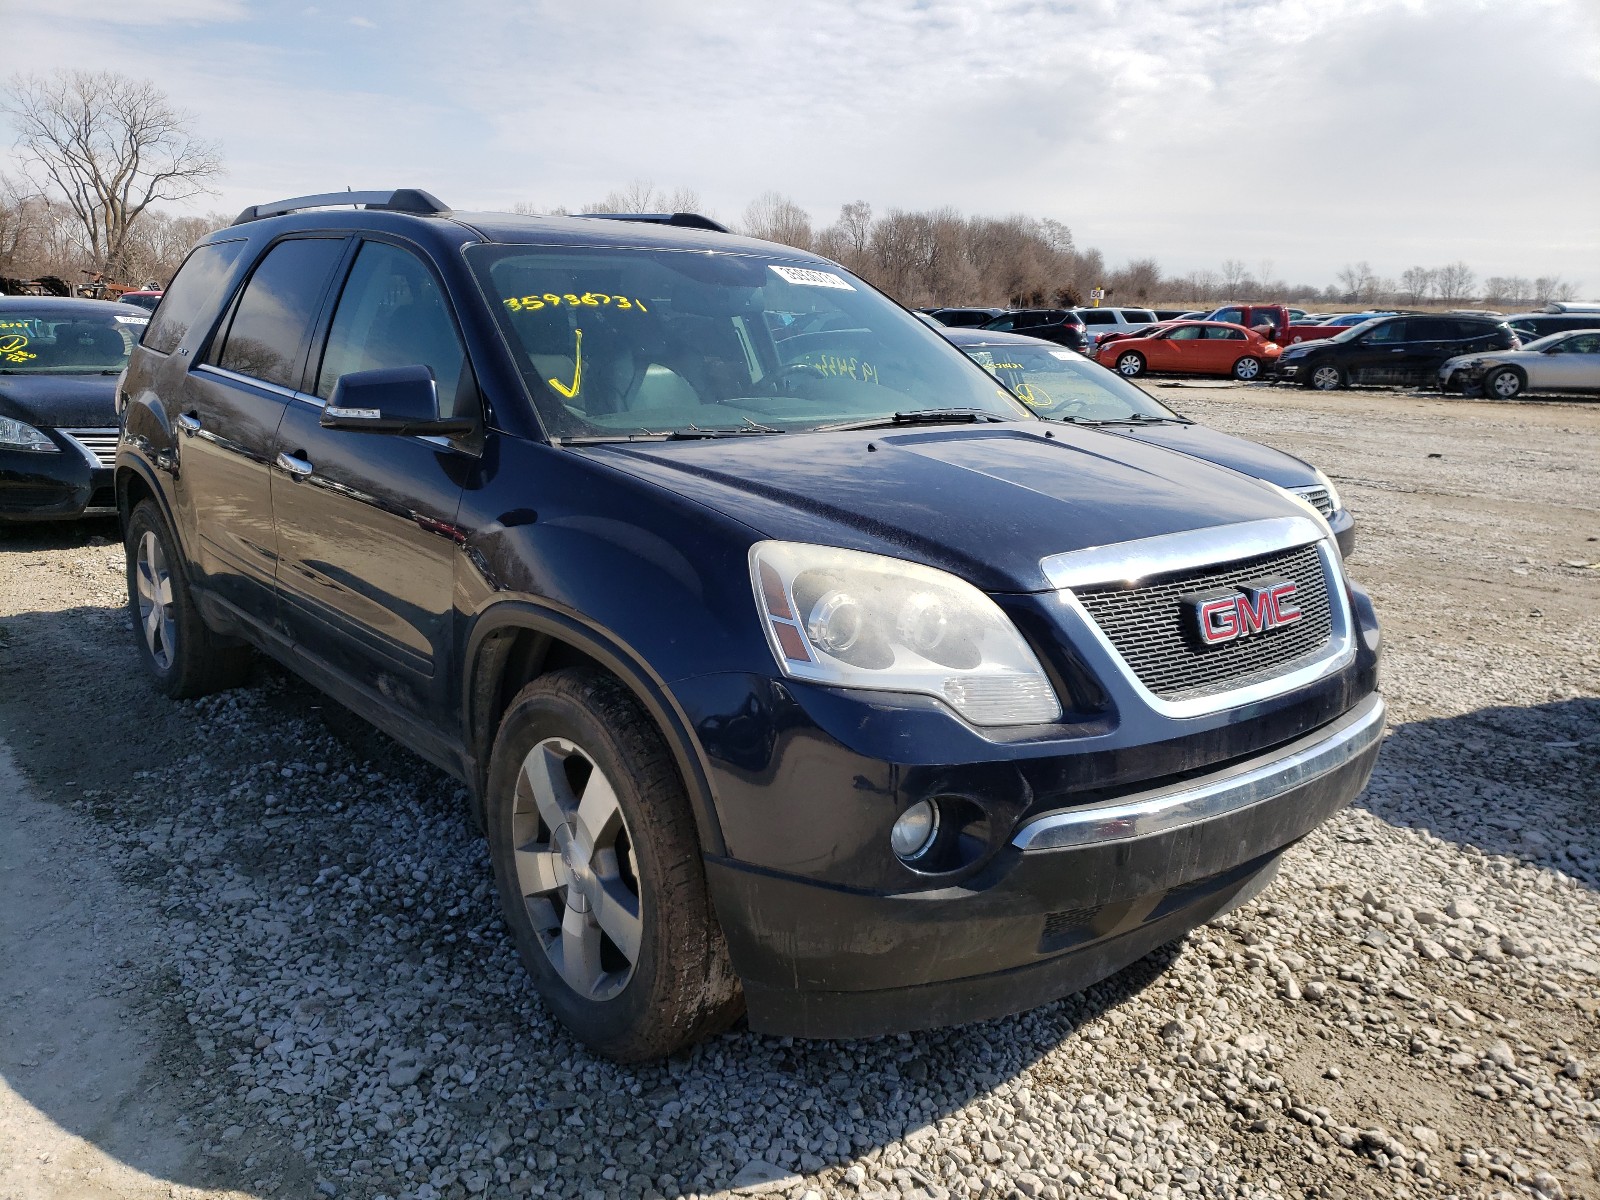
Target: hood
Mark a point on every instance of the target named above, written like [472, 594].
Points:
[986, 503]
[60, 401]
[1225, 450]
[1488, 358]
[1294, 349]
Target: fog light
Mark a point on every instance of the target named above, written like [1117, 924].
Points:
[915, 830]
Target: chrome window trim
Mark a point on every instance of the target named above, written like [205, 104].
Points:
[1165, 810]
[1128, 562]
[276, 389]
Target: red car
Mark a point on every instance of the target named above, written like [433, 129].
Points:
[1192, 348]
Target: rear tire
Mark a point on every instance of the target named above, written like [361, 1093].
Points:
[1326, 378]
[1247, 368]
[599, 869]
[180, 653]
[1130, 365]
[1504, 384]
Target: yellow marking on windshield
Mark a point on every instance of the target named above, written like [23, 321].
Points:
[533, 303]
[12, 348]
[577, 370]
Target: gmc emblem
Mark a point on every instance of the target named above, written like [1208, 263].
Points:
[1234, 613]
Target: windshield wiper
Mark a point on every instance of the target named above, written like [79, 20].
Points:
[695, 432]
[919, 416]
[1144, 419]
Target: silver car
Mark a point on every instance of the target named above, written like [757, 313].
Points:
[1561, 362]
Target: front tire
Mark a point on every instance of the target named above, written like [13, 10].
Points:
[599, 869]
[1130, 365]
[180, 653]
[1326, 378]
[1504, 384]
[1247, 368]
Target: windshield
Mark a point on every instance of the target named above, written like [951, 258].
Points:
[655, 342]
[59, 342]
[1058, 384]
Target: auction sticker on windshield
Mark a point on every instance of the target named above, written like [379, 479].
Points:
[806, 277]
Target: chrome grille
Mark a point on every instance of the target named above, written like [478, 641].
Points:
[101, 443]
[1146, 624]
[1320, 500]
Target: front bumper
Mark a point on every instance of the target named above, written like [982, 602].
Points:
[1343, 524]
[71, 483]
[1288, 370]
[1077, 894]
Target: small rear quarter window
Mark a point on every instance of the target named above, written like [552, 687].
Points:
[191, 294]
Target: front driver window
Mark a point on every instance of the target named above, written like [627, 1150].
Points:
[392, 314]
[1391, 331]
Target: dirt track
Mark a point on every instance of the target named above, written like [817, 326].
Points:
[147, 907]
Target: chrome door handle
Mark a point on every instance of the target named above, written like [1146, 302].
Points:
[290, 465]
[189, 423]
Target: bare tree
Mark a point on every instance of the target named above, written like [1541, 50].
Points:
[1138, 280]
[110, 146]
[773, 217]
[1416, 283]
[1233, 276]
[1456, 282]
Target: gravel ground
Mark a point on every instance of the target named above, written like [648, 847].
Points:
[330, 1006]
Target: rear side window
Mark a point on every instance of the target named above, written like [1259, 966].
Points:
[393, 314]
[1098, 316]
[267, 337]
[191, 294]
[1139, 316]
[1220, 333]
[1432, 329]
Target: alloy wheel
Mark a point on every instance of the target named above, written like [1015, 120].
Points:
[157, 617]
[576, 869]
[1130, 365]
[1246, 368]
[1506, 385]
[1325, 378]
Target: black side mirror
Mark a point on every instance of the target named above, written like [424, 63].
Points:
[391, 400]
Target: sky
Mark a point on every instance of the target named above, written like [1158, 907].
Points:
[1295, 135]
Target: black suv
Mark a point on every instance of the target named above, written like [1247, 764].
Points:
[1059, 325]
[792, 665]
[1404, 350]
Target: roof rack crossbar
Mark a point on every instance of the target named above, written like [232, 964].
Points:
[684, 220]
[408, 200]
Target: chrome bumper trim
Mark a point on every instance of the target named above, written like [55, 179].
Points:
[1171, 808]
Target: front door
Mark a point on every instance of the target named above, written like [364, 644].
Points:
[1178, 350]
[365, 521]
[232, 403]
[1570, 365]
[1378, 356]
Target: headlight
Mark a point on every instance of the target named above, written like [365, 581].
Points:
[858, 620]
[15, 435]
[1333, 492]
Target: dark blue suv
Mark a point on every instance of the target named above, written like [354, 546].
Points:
[793, 666]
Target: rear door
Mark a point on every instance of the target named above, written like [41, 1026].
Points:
[1431, 340]
[366, 521]
[1222, 348]
[233, 400]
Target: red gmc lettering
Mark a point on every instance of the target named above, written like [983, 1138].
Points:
[1225, 618]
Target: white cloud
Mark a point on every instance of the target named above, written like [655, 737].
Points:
[1310, 132]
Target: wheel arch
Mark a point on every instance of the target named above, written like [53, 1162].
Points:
[515, 641]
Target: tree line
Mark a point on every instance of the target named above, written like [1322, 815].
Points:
[99, 150]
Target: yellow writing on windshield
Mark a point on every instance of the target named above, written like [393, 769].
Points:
[533, 303]
[13, 348]
[577, 370]
[834, 365]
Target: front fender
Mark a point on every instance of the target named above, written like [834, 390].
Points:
[479, 688]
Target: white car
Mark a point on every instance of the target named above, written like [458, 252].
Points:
[1561, 362]
[1097, 322]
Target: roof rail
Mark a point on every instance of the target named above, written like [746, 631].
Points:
[408, 200]
[684, 220]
